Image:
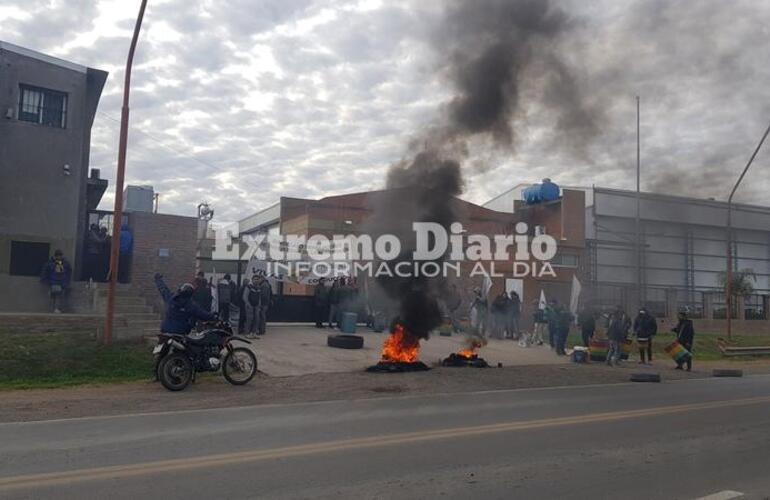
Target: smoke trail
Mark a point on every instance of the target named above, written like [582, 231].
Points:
[490, 51]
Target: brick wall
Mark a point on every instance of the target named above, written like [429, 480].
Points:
[163, 244]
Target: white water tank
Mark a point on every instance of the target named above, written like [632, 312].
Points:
[138, 198]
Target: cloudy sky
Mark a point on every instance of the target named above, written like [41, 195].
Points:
[238, 102]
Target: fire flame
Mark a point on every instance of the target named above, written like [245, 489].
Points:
[400, 347]
[474, 343]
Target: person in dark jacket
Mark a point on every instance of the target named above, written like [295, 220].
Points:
[539, 323]
[334, 303]
[181, 310]
[565, 319]
[685, 335]
[202, 292]
[256, 297]
[587, 321]
[514, 313]
[57, 274]
[226, 294]
[126, 251]
[617, 331]
[645, 328]
[500, 315]
[321, 302]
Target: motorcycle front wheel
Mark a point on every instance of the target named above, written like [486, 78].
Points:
[175, 371]
[240, 366]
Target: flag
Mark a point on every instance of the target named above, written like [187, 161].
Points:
[542, 304]
[486, 285]
[575, 295]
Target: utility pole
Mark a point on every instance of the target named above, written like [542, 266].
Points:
[729, 284]
[117, 216]
[637, 241]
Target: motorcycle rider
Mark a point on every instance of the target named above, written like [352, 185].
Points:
[181, 311]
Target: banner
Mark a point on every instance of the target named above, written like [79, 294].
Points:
[574, 298]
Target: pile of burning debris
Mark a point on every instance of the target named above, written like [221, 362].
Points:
[400, 353]
[468, 356]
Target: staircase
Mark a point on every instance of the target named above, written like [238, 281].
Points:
[134, 317]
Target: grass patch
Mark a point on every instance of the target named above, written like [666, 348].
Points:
[705, 348]
[61, 360]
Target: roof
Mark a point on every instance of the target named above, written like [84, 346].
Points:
[42, 57]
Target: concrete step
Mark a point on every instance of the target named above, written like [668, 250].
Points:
[144, 324]
[129, 301]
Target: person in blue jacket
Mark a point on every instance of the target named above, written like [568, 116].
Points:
[57, 274]
[181, 311]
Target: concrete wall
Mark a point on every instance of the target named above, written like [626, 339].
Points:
[154, 234]
[38, 201]
[27, 294]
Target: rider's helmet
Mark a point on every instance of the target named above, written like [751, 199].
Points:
[185, 290]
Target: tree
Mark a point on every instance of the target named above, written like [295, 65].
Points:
[742, 285]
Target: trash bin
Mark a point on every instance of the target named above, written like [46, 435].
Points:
[348, 322]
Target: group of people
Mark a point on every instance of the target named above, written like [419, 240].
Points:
[97, 253]
[252, 300]
[331, 302]
[500, 319]
[644, 327]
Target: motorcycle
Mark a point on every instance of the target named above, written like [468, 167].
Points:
[179, 357]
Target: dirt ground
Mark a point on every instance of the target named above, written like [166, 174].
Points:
[214, 392]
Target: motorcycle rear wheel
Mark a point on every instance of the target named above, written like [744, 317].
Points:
[175, 371]
[240, 366]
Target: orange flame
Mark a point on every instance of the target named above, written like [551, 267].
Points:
[400, 347]
[474, 343]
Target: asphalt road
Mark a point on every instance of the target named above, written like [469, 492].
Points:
[685, 439]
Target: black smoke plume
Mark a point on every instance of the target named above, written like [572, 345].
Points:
[490, 51]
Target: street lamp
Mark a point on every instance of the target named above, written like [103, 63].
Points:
[729, 284]
[119, 178]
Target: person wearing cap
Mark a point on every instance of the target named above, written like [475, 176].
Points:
[57, 274]
[685, 335]
[181, 310]
[645, 327]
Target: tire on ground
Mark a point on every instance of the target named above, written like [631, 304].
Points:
[345, 341]
[645, 377]
[725, 372]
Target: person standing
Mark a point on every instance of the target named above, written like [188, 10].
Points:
[514, 313]
[685, 335]
[540, 323]
[265, 292]
[479, 312]
[617, 332]
[226, 291]
[126, 250]
[500, 315]
[321, 303]
[587, 322]
[57, 273]
[202, 294]
[564, 321]
[645, 328]
[552, 318]
[251, 303]
[334, 303]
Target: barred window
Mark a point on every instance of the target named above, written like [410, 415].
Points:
[42, 106]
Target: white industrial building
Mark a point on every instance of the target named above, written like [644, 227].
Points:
[683, 247]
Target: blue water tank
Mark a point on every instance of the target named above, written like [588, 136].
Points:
[539, 193]
[348, 323]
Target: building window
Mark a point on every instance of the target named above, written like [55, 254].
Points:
[28, 257]
[565, 260]
[42, 106]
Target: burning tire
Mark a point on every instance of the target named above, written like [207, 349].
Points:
[645, 377]
[345, 341]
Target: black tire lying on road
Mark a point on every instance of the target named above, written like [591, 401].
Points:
[345, 341]
[645, 377]
[727, 372]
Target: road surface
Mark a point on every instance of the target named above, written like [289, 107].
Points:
[686, 439]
